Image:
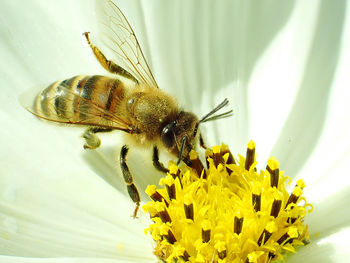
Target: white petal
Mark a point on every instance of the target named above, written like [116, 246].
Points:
[334, 248]
[325, 171]
[277, 78]
[303, 128]
[43, 214]
[6, 259]
[295, 81]
[330, 215]
[49, 208]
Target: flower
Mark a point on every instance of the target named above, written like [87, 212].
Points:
[283, 67]
[228, 212]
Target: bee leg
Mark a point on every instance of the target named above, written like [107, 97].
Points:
[201, 142]
[92, 141]
[108, 65]
[132, 190]
[156, 163]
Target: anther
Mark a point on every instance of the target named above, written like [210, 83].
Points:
[292, 233]
[188, 207]
[238, 224]
[166, 233]
[221, 249]
[170, 187]
[171, 191]
[256, 198]
[175, 172]
[155, 195]
[272, 168]
[230, 159]
[185, 256]
[271, 256]
[225, 150]
[163, 213]
[208, 154]
[276, 207]
[282, 238]
[291, 220]
[217, 158]
[264, 237]
[206, 229]
[293, 198]
[197, 164]
[250, 156]
[267, 232]
[170, 237]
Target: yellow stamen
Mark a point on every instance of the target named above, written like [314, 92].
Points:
[228, 212]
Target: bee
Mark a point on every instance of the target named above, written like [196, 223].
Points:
[130, 102]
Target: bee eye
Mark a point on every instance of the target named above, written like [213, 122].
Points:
[168, 136]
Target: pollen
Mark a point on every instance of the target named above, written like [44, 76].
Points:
[227, 212]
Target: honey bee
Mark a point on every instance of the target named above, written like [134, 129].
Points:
[130, 102]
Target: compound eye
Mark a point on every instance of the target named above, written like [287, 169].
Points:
[168, 135]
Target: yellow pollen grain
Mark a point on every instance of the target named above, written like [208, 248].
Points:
[256, 188]
[301, 183]
[220, 246]
[149, 208]
[208, 152]
[297, 191]
[276, 194]
[159, 206]
[163, 229]
[173, 168]
[254, 256]
[271, 227]
[188, 200]
[193, 155]
[251, 145]
[238, 214]
[220, 167]
[216, 149]
[151, 189]
[224, 148]
[206, 225]
[178, 250]
[273, 163]
[168, 180]
[293, 232]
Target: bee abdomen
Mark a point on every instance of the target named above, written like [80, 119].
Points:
[79, 98]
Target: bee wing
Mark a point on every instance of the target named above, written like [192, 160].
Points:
[121, 39]
[58, 103]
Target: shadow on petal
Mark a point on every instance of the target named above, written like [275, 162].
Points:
[306, 120]
[313, 253]
[100, 162]
[330, 215]
[105, 162]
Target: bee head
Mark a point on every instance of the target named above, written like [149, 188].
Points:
[180, 135]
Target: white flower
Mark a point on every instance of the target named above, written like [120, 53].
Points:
[284, 67]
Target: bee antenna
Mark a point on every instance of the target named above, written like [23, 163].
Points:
[209, 116]
[183, 141]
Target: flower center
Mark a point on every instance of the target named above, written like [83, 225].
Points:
[228, 212]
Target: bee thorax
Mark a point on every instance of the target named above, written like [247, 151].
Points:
[150, 111]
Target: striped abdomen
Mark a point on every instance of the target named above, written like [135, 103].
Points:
[80, 100]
